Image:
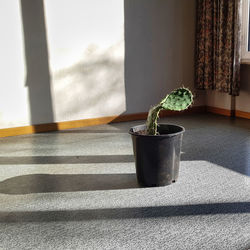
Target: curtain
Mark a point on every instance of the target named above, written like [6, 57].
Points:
[217, 59]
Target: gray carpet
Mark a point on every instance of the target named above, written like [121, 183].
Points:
[77, 189]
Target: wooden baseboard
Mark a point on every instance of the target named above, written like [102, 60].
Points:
[163, 113]
[54, 126]
[130, 117]
[242, 114]
[227, 112]
[112, 119]
[90, 122]
[219, 111]
[192, 110]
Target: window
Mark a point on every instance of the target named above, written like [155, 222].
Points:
[245, 49]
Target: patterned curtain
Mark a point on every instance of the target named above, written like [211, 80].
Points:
[217, 60]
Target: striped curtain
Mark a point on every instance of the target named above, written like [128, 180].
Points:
[217, 60]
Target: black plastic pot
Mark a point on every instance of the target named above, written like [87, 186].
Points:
[157, 157]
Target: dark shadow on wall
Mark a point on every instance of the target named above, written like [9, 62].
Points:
[158, 50]
[245, 78]
[37, 62]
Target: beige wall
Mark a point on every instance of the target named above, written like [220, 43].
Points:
[218, 99]
[67, 60]
[159, 45]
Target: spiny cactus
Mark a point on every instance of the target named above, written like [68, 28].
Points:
[177, 100]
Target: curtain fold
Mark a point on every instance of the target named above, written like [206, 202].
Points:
[218, 26]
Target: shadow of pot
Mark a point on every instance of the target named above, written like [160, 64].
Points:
[157, 157]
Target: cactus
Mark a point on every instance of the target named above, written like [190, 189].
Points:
[178, 100]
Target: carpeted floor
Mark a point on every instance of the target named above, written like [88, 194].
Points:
[77, 189]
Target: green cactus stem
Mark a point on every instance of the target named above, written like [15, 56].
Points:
[178, 100]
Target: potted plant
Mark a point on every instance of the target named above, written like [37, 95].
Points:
[157, 147]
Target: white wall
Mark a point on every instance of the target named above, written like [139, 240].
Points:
[64, 60]
[86, 47]
[14, 109]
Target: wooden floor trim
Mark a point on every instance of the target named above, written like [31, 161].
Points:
[111, 119]
[55, 126]
[227, 112]
[219, 111]
[242, 114]
[90, 122]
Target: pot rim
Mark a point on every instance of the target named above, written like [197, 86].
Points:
[131, 130]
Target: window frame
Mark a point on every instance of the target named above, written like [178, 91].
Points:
[245, 54]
